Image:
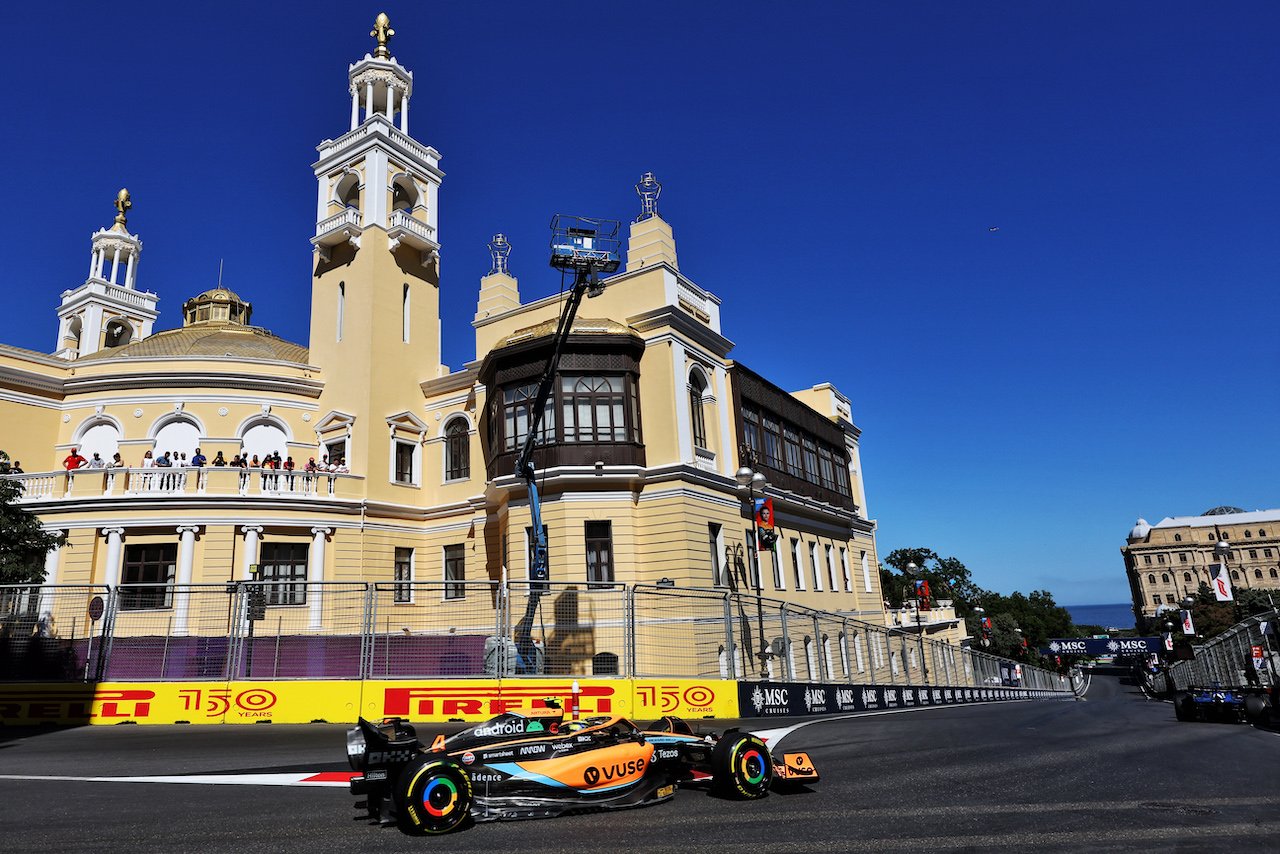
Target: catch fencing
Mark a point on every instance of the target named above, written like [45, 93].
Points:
[248, 630]
[1229, 659]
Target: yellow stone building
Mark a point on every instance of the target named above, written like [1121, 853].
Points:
[648, 423]
[1170, 560]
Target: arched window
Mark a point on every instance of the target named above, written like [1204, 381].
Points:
[1273, 572]
[457, 450]
[1261, 532]
[1235, 576]
[73, 333]
[1186, 576]
[264, 437]
[180, 434]
[1151, 579]
[698, 421]
[1257, 573]
[101, 438]
[348, 191]
[1164, 577]
[1247, 533]
[119, 333]
[1177, 538]
[404, 194]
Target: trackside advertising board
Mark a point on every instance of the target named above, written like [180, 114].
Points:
[343, 701]
[1102, 646]
[782, 699]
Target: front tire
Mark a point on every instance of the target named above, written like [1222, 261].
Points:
[433, 796]
[741, 766]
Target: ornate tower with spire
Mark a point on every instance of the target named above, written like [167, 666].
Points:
[375, 306]
[107, 310]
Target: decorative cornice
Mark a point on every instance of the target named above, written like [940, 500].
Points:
[100, 383]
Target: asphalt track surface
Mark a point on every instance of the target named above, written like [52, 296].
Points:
[1112, 772]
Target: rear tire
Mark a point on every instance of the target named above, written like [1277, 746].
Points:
[1184, 707]
[1255, 709]
[741, 766]
[433, 796]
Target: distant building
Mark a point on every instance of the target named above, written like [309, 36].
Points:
[1168, 560]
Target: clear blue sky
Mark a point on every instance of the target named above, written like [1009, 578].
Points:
[833, 173]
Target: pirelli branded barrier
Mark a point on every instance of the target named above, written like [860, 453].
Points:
[344, 701]
[778, 699]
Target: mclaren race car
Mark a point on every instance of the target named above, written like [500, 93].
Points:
[517, 766]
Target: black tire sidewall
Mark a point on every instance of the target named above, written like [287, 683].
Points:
[726, 766]
[411, 788]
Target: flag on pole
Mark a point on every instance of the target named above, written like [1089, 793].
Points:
[1221, 582]
[1168, 641]
[1187, 627]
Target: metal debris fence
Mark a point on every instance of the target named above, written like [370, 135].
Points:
[1228, 659]
[246, 630]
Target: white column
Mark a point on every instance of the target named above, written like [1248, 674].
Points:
[684, 433]
[391, 101]
[186, 561]
[111, 572]
[129, 271]
[251, 535]
[115, 264]
[723, 403]
[51, 560]
[315, 573]
[368, 100]
[93, 264]
[404, 113]
[355, 108]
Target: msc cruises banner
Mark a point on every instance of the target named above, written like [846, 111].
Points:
[1102, 646]
[776, 699]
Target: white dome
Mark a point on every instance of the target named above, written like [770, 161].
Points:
[1140, 530]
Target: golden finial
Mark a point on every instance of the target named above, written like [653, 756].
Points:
[122, 205]
[382, 32]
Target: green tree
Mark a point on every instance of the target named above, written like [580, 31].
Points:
[948, 579]
[23, 543]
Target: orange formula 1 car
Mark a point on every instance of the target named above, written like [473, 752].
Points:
[518, 766]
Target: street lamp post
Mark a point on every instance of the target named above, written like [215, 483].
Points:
[910, 570]
[749, 482]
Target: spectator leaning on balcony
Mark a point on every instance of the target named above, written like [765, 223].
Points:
[147, 460]
[219, 460]
[197, 459]
[310, 466]
[179, 461]
[116, 462]
[254, 464]
[288, 464]
[16, 468]
[74, 461]
[97, 462]
[163, 461]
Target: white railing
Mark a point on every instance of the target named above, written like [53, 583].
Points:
[402, 219]
[348, 218]
[98, 484]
